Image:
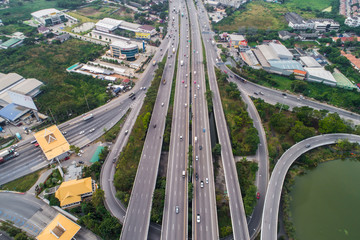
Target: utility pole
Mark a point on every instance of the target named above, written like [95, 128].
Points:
[86, 102]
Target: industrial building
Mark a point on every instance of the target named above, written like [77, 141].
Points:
[310, 62]
[295, 21]
[11, 43]
[109, 25]
[73, 192]
[51, 16]
[53, 143]
[124, 50]
[60, 228]
[320, 75]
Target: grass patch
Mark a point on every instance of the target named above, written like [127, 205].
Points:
[22, 184]
[243, 135]
[21, 10]
[130, 156]
[63, 93]
[158, 201]
[262, 15]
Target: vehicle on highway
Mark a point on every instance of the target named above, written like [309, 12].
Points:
[186, 75]
[197, 158]
[87, 116]
[181, 137]
[261, 93]
[81, 132]
[200, 147]
[91, 130]
[183, 173]
[284, 94]
[126, 132]
[194, 72]
[207, 180]
[79, 154]
[177, 209]
[64, 133]
[182, 81]
[185, 104]
[256, 93]
[81, 162]
[198, 86]
[195, 139]
[202, 184]
[194, 95]
[114, 160]
[258, 195]
[162, 104]
[307, 145]
[203, 129]
[154, 125]
[198, 218]
[185, 85]
[196, 176]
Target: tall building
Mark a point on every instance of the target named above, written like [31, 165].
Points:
[124, 50]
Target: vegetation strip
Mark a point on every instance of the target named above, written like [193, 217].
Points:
[130, 156]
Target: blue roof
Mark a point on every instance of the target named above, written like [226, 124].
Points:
[13, 111]
[286, 64]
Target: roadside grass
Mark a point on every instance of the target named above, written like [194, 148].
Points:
[24, 183]
[23, 10]
[81, 18]
[130, 156]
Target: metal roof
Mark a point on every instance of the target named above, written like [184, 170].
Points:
[320, 73]
[286, 65]
[10, 42]
[309, 61]
[45, 12]
[281, 50]
[27, 86]
[13, 111]
[9, 79]
[268, 52]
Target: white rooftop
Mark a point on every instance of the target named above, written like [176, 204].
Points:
[268, 52]
[109, 22]
[8, 80]
[281, 50]
[44, 12]
[309, 61]
[235, 37]
[27, 86]
[320, 73]
[122, 44]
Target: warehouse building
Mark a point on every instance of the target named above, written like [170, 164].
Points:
[268, 53]
[281, 51]
[11, 43]
[285, 67]
[310, 62]
[295, 21]
[320, 75]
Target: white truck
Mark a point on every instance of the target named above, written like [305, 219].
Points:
[181, 62]
[87, 116]
[213, 42]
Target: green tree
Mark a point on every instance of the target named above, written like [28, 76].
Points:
[21, 236]
[109, 228]
[300, 132]
[280, 123]
[299, 86]
[217, 150]
[332, 123]
[146, 120]
[98, 197]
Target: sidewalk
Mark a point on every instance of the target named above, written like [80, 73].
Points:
[41, 179]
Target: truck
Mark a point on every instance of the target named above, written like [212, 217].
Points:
[181, 62]
[8, 154]
[87, 116]
[213, 42]
[18, 136]
[173, 50]
[154, 62]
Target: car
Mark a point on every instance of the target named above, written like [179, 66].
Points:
[81, 162]
[185, 104]
[64, 133]
[187, 46]
[184, 55]
[225, 71]
[231, 76]
[284, 94]
[177, 209]
[182, 81]
[207, 180]
[202, 184]
[194, 95]
[181, 137]
[194, 72]
[114, 160]
[81, 132]
[160, 49]
[196, 176]
[261, 93]
[92, 130]
[256, 93]
[162, 104]
[194, 82]
[307, 145]
[126, 132]
[154, 125]
[186, 75]
[197, 158]
[198, 86]
[185, 85]
[257, 195]
[203, 129]
[79, 154]
[200, 147]
[81, 151]
[198, 218]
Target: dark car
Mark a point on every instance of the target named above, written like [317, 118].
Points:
[196, 176]
[284, 94]
[81, 162]
[154, 125]
[200, 147]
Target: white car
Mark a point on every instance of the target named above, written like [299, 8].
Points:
[185, 85]
[197, 158]
[79, 154]
[185, 104]
[201, 184]
[194, 95]
[92, 130]
[81, 132]
[162, 104]
[207, 180]
[181, 137]
[198, 218]
[198, 86]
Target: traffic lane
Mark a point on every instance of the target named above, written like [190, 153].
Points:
[272, 199]
[20, 204]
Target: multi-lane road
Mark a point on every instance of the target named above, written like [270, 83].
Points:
[137, 218]
[175, 216]
[272, 200]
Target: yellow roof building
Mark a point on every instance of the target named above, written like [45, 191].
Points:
[60, 228]
[52, 142]
[70, 192]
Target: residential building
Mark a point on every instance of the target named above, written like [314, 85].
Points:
[43, 30]
[124, 50]
[63, 37]
[60, 228]
[284, 35]
[53, 143]
[51, 16]
[73, 192]
[352, 21]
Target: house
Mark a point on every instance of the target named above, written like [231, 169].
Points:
[43, 30]
[285, 35]
[73, 192]
[62, 38]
